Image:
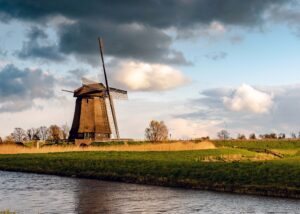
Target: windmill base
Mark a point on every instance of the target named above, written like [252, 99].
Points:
[87, 142]
[83, 142]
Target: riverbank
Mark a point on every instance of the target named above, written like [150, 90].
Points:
[222, 169]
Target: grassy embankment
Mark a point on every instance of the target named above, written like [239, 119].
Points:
[234, 166]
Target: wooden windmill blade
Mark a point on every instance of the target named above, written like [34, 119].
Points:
[111, 104]
[118, 94]
[111, 123]
[86, 81]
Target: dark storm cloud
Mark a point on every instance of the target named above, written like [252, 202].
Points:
[35, 47]
[19, 87]
[159, 14]
[72, 79]
[124, 41]
[133, 29]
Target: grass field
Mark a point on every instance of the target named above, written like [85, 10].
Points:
[286, 147]
[227, 167]
[260, 144]
[6, 212]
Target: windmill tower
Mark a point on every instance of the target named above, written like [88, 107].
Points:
[94, 116]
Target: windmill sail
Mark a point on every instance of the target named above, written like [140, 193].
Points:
[118, 94]
[86, 81]
[108, 90]
[110, 119]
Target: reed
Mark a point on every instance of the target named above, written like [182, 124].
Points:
[177, 146]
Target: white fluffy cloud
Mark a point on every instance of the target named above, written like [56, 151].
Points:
[139, 76]
[181, 128]
[247, 98]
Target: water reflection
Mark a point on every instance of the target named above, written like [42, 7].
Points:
[32, 193]
[93, 197]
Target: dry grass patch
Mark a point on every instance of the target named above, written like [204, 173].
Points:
[178, 146]
[290, 152]
[236, 157]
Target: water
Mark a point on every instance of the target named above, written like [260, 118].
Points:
[33, 193]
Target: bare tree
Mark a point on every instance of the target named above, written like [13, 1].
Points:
[281, 136]
[33, 134]
[9, 139]
[293, 135]
[269, 136]
[157, 131]
[241, 137]
[252, 136]
[19, 135]
[54, 133]
[1, 140]
[223, 135]
[65, 131]
[43, 133]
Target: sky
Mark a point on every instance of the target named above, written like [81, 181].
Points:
[200, 66]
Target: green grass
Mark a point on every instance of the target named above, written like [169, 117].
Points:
[259, 144]
[280, 177]
[7, 212]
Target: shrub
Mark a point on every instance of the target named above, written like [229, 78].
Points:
[108, 143]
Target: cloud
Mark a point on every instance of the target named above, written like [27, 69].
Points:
[236, 39]
[33, 48]
[247, 98]
[211, 31]
[20, 87]
[272, 109]
[132, 30]
[180, 128]
[72, 79]
[122, 41]
[289, 15]
[160, 14]
[216, 55]
[139, 76]
[46, 114]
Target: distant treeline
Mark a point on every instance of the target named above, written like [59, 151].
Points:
[53, 133]
[225, 135]
[156, 132]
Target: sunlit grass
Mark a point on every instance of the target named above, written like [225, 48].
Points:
[177, 146]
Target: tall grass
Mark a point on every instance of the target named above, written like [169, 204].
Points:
[178, 146]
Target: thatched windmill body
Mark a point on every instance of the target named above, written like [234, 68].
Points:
[94, 116]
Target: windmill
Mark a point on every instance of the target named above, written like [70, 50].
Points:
[95, 116]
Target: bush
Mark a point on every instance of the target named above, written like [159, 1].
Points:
[137, 142]
[108, 143]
